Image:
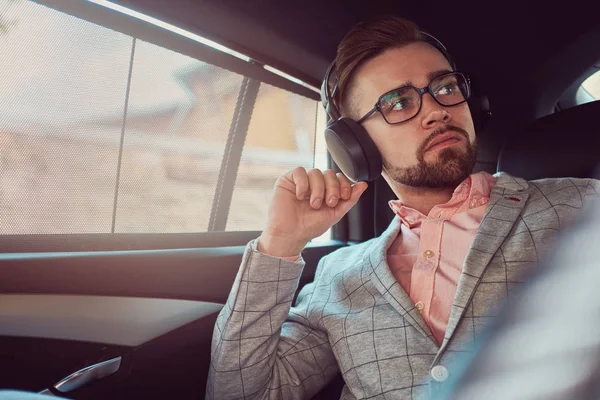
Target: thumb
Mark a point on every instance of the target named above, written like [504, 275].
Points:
[357, 190]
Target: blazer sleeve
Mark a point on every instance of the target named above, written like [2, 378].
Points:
[258, 351]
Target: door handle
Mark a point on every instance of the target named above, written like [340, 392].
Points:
[88, 374]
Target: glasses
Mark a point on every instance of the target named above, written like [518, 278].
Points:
[400, 105]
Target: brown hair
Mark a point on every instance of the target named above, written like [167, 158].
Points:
[365, 41]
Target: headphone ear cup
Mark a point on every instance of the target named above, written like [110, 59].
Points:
[353, 150]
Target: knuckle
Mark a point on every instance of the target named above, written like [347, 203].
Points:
[315, 171]
[301, 189]
[282, 180]
[342, 178]
[317, 180]
[299, 173]
[333, 187]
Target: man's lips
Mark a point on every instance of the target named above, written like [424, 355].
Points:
[445, 139]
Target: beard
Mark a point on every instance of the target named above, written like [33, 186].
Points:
[452, 166]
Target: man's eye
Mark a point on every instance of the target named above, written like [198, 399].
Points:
[399, 105]
[450, 88]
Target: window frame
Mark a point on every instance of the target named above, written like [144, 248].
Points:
[254, 74]
[141, 30]
[575, 95]
[588, 96]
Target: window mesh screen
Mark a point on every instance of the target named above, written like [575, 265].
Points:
[178, 119]
[60, 78]
[81, 144]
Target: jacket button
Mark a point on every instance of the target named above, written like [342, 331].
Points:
[439, 373]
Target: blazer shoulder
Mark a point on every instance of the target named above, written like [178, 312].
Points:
[583, 186]
[344, 261]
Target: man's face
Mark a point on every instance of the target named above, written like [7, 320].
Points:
[409, 151]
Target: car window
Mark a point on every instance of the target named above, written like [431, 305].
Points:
[103, 132]
[592, 85]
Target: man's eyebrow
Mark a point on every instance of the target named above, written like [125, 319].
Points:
[430, 76]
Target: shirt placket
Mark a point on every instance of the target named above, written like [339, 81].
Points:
[423, 274]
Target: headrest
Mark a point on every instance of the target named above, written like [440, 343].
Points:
[564, 144]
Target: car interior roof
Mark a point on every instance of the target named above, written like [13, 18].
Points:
[482, 36]
[522, 55]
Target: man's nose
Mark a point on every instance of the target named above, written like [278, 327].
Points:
[434, 113]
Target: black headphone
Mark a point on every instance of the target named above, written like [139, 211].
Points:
[348, 142]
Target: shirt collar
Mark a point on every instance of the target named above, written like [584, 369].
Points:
[472, 192]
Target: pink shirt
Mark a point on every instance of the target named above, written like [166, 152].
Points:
[428, 254]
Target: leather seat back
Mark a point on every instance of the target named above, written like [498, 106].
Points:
[564, 144]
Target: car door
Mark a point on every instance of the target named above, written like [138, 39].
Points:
[137, 163]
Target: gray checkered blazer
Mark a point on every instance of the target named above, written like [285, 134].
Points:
[356, 319]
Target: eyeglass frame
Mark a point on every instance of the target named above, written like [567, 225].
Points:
[421, 91]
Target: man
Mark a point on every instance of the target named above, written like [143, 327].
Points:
[390, 314]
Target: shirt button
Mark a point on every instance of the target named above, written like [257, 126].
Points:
[473, 203]
[428, 254]
[420, 306]
[439, 373]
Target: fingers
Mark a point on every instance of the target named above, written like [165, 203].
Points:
[357, 190]
[320, 188]
[316, 182]
[345, 187]
[300, 180]
[332, 188]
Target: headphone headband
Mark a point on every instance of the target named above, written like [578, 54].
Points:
[327, 94]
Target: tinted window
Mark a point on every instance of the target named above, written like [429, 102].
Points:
[102, 132]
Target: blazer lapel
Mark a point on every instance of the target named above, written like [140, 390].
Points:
[387, 284]
[507, 200]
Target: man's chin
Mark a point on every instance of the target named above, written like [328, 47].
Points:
[456, 151]
[448, 176]
[448, 169]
